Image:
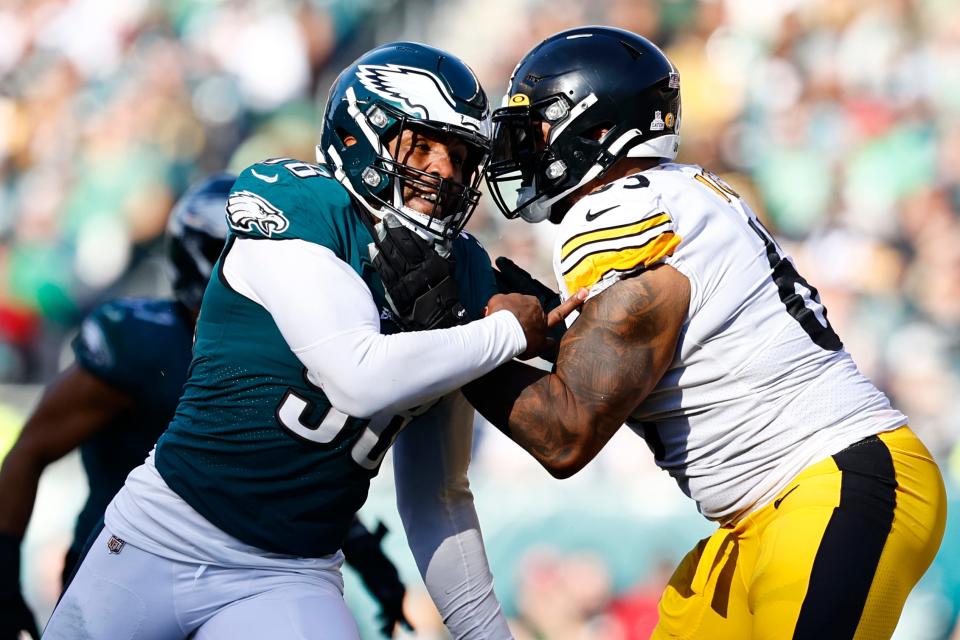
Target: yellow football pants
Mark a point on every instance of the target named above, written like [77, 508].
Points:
[833, 556]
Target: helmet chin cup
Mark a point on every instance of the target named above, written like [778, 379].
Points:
[535, 214]
[535, 211]
[422, 225]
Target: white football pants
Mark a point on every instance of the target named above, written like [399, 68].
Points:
[134, 595]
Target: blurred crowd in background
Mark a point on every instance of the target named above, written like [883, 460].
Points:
[838, 120]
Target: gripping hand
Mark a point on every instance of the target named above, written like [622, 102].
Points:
[514, 279]
[418, 281]
[362, 550]
[15, 616]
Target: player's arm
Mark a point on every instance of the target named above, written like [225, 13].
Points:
[327, 316]
[430, 458]
[363, 551]
[75, 407]
[609, 361]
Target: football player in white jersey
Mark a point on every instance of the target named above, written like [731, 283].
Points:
[700, 335]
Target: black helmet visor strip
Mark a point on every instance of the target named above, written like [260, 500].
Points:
[455, 201]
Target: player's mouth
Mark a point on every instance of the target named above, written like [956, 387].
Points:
[424, 201]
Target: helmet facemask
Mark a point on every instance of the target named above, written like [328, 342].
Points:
[530, 168]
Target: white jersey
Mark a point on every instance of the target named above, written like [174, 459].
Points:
[760, 386]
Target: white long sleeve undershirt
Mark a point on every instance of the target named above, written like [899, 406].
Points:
[430, 460]
[327, 316]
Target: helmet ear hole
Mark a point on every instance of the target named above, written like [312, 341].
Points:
[347, 139]
[598, 131]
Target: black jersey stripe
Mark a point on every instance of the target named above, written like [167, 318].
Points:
[852, 543]
[608, 233]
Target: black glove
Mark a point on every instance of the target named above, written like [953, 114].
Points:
[15, 616]
[514, 279]
[362, 550]
[418, 281]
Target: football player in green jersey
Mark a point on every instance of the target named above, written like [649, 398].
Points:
[114, 402]
[302, 378]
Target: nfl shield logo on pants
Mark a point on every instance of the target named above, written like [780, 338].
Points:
[115, 544]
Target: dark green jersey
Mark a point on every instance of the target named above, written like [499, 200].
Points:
[255, 447]
[141, 347]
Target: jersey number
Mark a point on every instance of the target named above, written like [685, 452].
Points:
[800, 298]
[300, 169]
[293, 414]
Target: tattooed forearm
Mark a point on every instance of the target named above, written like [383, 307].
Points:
[609, 361]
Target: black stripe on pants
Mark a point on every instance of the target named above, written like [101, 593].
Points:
[850, 550]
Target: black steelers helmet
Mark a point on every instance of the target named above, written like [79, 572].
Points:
[548, 137]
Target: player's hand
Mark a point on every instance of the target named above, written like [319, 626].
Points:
[363, 551]
[514, 279]
[418, 281]
[15, 616]
[535, 322]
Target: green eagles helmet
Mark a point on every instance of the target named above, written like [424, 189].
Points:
[398, 86]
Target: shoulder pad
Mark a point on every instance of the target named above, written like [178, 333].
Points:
[92, 346]
[468, 242]
[284, 198]
[621, 229]
[121, 338]
[102, 333]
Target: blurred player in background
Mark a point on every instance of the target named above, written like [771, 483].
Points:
[114, 402]
[300, 382]
[701, 336]
[132, 356]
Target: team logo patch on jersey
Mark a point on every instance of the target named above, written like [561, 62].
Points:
[247, 211]
[418, 90]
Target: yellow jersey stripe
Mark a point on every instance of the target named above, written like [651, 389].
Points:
[709, 184]
[612, 233]
[592, 267]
